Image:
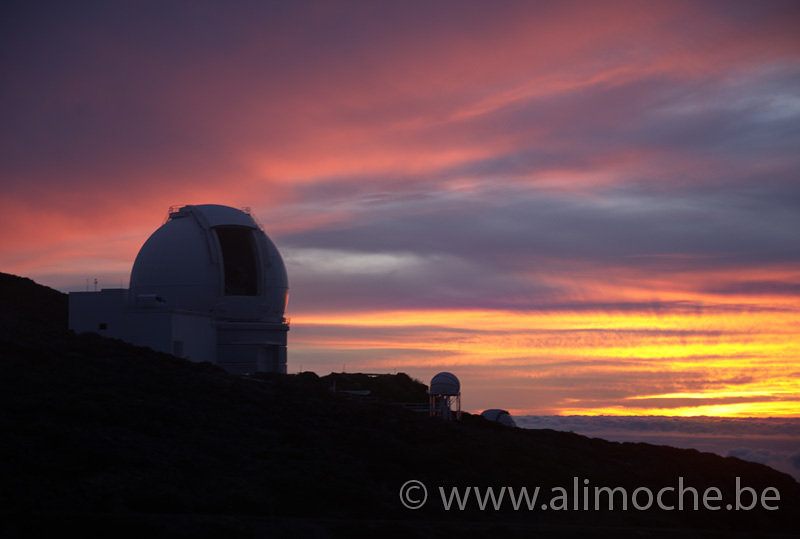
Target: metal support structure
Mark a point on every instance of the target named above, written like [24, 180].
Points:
[446, 406]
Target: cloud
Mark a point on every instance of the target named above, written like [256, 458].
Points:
[761, 456]
[513, 248]
[759, 288]
[769, 441]
[779, 427]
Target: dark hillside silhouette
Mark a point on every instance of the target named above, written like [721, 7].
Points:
[106, 438]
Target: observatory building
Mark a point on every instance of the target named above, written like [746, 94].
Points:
[500, 416]
[208, 285]
[445, 396]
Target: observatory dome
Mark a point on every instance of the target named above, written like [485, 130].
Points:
[500, 416]
[445, 383]
[212, 259]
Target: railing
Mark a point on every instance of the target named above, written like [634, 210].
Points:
[249, 212]
[355, 396]
[175, 208]
[416, 406]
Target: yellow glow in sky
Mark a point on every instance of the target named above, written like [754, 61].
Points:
[718, 363]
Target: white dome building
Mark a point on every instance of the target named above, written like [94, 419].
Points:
[445, 383]
[208, 285]
[500, 416]
[445, 396]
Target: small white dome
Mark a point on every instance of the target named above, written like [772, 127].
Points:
[212, 258]
[445, 383]
[501, 416]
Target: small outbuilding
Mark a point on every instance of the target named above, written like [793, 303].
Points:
[500, 416]
[445, 396]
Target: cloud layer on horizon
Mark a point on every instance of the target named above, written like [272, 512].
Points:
[771, 441]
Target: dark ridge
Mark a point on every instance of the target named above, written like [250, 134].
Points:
[21, 299]
[108, 439]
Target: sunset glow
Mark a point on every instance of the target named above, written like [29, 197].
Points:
[578, 207]
[738, 365]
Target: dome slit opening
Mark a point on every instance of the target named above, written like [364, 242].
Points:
[239, 260]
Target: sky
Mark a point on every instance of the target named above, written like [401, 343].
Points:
[576, 207]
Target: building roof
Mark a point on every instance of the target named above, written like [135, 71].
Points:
[213, 258]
